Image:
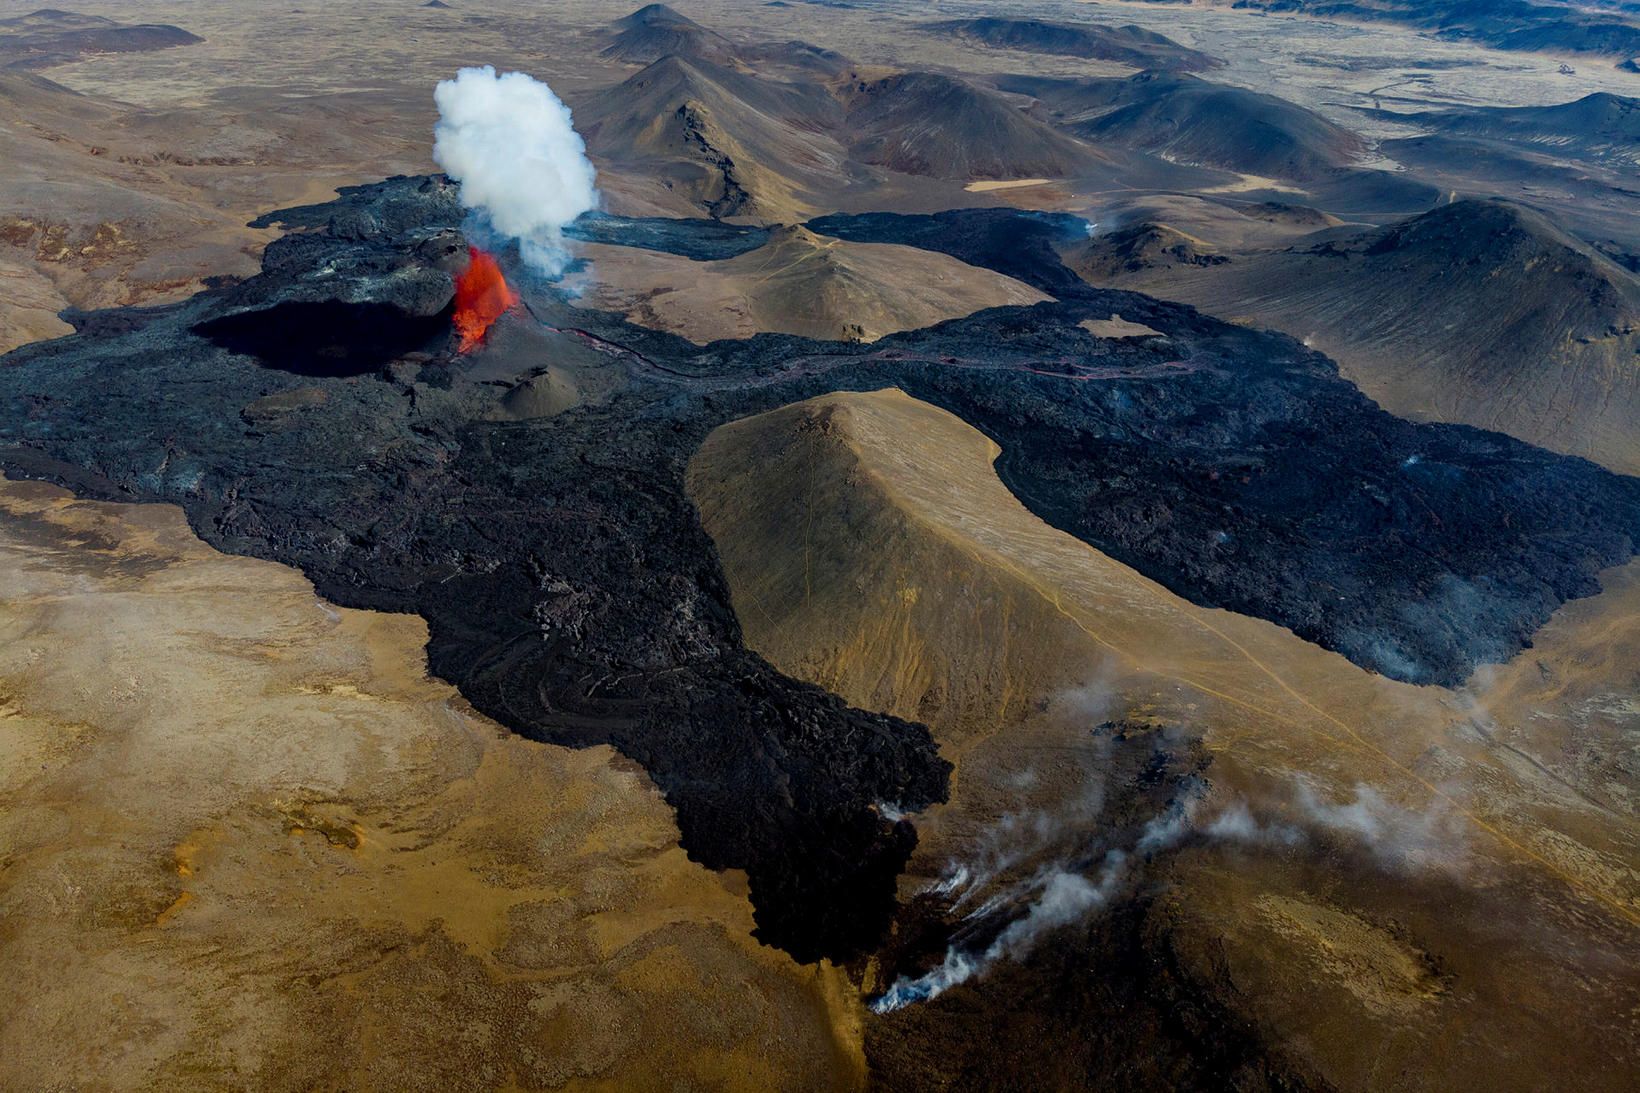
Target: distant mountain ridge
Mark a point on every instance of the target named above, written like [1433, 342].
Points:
[760, 130]
[1481, 311]
[1196, 121]
[1597, 126]
[49, 37]
[1501, 24]
[1131, 45]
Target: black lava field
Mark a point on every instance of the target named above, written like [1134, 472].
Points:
[316, 414]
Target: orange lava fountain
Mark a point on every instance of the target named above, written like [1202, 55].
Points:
[482, 297]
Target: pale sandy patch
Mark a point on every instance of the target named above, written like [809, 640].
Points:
[988, 185]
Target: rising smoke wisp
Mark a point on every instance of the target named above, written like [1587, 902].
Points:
[1062, 893]
[523, 169]
[1054, 896]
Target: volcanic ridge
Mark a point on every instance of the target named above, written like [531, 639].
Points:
[1556, 360]
[1129, 45]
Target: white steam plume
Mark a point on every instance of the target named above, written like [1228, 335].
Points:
[1396, 836]
[1399, 838]
[1235, 823]
[523, 168]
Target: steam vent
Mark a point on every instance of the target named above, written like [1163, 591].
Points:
[820, 546]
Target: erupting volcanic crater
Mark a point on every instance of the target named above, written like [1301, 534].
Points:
[482, 297]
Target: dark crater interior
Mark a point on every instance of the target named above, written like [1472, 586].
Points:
[330, 338]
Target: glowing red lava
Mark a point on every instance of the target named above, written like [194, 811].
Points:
[482, 297]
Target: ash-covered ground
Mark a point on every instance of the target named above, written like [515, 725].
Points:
[573, 595]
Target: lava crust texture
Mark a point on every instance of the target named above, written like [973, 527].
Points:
[572, 594]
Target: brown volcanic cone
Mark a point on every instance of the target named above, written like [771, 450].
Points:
[925, 123]
[1196, 121]
[1481, 312]
[657, 31]
[729, 143]
[797, 283]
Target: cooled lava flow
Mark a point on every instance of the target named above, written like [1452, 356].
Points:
[482, 297]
